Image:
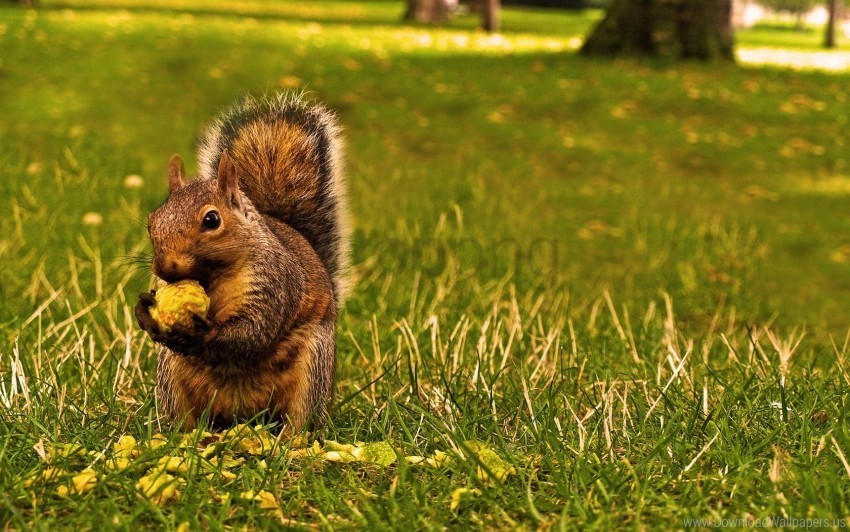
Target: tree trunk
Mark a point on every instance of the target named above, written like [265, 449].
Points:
[427, 11]
[491, 16]
[832, 7]
[676, 29]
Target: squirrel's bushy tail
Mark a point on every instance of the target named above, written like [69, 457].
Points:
[287, 152]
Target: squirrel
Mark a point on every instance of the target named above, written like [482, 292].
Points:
[264, 230]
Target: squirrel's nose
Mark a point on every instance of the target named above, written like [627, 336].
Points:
[172, 269]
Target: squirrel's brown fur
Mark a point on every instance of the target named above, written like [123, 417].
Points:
[272, 259]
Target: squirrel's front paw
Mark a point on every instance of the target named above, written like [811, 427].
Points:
[143, 313]
[182, 339]
[178, 338]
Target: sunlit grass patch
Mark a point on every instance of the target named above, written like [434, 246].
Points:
[456, 41]
[835, 185]
[838, 61]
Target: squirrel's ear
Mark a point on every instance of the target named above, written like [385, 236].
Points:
[227, 179]
[176, 173]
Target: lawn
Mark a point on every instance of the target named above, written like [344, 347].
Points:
[625, 279]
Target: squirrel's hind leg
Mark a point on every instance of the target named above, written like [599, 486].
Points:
[306, 383]
[173, 402]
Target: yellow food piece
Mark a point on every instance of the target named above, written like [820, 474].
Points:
[117, 464]
[267, 500]
[340, 456]
[227, 460]
[499, 469]
[84, 481]
[312, 451]
[341, 452]
[69, 450]
[52, 473]
[221, 498]
[438, 459]
[176, 304]
[300, 441]
[158, 440]
[241, 430]
[264, 499]
[332, 445]
[199, 439]
[174, 464]
[48, 475]
[256, 441]
[462, 493]
[379, 452]
[158, 487]
[124, 447]
[124, 450]
[80, 484]
[227, 475]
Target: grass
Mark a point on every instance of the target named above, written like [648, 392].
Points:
[628, 279]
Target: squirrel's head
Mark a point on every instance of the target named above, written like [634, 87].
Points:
[202, 227]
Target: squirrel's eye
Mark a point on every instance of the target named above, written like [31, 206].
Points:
[211, 221]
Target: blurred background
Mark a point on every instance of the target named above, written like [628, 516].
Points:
[569, 147]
